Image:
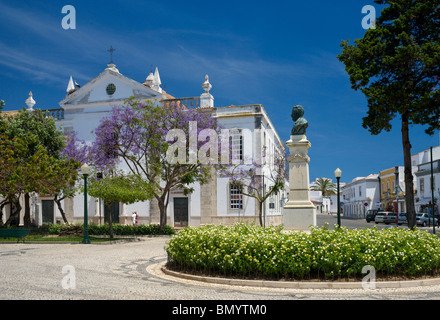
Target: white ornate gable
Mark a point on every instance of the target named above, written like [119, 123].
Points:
[109, 87]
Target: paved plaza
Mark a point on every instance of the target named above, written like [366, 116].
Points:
[131, 271]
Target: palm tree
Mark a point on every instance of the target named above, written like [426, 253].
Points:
[326, 186]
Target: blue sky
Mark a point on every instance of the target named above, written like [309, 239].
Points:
[278, 54]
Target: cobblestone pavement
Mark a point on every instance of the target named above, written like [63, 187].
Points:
[129, 270]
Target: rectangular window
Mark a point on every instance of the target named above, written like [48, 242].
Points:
[422, 185]
[235, 197]
[236, 141]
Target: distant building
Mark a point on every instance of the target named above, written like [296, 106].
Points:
[422, 164]
[360, 195]
[392, 189]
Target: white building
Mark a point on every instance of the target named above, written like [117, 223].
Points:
[213, 203]
[360, 195]
[422, 162]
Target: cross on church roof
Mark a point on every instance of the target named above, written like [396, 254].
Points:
[111, 50]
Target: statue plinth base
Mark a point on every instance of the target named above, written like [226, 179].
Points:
[299, 213]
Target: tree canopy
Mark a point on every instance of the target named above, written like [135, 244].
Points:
[31, 160]
[119, 187]
[325, 185]
[397, 66]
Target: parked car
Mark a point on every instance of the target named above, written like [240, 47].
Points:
[402, 218]
[386, 217]
[371, 214]
[425, 219]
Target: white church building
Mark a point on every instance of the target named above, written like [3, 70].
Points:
[212, 203]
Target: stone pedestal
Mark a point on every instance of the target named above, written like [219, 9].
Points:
[299, 212]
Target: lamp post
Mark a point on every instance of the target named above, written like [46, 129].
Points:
[85, 170]
[397, 191]
[432, 195]
[264, 203]
[338, 174]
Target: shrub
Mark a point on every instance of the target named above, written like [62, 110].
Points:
[118, 229]
[127, 230]
[247, 250]
[46, 229]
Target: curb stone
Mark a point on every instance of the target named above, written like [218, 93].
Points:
[301, 284]
[74, 242]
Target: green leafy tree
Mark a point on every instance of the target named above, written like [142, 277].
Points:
[20, 174]
[12, 152]
[397, 66]
[55, 177]
[35, 130]
[119, 187]
[2, 122]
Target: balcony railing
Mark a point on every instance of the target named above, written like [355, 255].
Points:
[427, 166]
[192, 102]
[57, 114]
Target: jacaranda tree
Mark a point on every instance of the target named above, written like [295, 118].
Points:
[162, 144]
[259, 179]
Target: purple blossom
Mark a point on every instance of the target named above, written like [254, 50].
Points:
[76, 149]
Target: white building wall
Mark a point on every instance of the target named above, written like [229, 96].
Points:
[84, 109]
[360, 196]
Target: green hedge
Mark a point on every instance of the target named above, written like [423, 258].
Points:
[46, 229]
[118, 229]
[122, 230]
[325, 253]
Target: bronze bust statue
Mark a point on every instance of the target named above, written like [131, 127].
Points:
[301, 123]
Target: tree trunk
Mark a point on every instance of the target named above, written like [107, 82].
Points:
[110, 222]
[15, 204]
[63, 214]
[409, 183]
[162, 211]
[27, 210]
[260, 214]
[2, 205]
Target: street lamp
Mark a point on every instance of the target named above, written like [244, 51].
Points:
[338, 174]
[397, 191]
[85, 170]
[432, 195]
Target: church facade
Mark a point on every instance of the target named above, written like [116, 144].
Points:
[213, 203]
